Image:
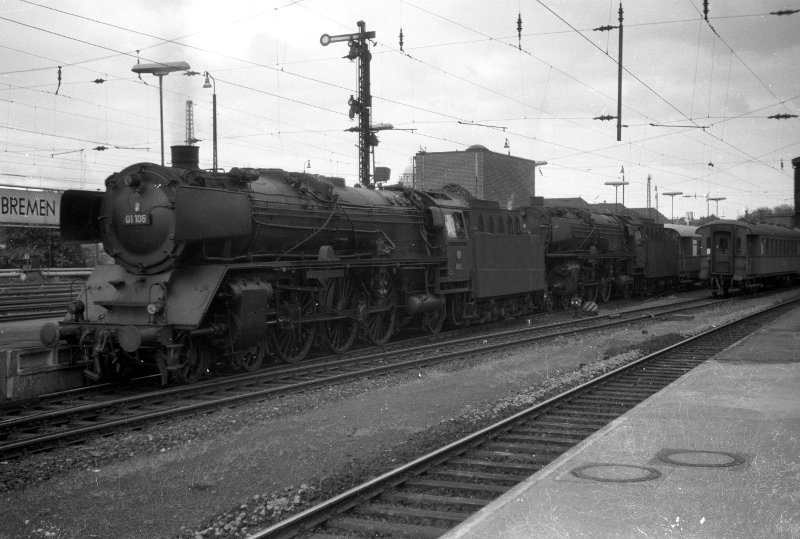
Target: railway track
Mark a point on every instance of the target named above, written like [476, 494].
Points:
[35, 300]
[72, 416]
[432, 494]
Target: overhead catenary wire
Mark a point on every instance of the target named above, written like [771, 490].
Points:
[460, 117]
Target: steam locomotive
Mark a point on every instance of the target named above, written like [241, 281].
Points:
[232, 267]
[592, 255]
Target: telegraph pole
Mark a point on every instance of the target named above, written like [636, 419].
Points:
[619, 79]
[619, 76]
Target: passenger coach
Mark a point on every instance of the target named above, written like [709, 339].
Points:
[689, 249]
[744, 255]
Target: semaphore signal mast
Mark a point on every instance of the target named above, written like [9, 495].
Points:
[361, 106]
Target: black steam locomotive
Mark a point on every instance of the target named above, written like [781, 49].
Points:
[233, 266]
[593, 256]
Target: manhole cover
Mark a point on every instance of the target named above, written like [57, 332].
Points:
[700, 458]
[616, 473]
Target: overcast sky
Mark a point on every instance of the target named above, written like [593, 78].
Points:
[461, 79]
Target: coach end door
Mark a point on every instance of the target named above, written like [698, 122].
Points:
[722, 252]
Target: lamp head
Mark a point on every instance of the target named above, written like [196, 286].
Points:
[161, 68]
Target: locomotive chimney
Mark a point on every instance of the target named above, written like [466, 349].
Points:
[796, 165]
[185, 157]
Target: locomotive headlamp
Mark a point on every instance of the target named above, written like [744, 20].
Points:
[76, 307]
[134, 181]
[154, 308]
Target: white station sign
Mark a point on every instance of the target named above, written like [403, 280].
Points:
[21, 207]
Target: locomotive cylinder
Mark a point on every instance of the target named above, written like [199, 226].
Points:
[423, 303]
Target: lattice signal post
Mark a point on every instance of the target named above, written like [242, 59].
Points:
[359, 48]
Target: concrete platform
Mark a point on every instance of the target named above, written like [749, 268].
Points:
[715, 454]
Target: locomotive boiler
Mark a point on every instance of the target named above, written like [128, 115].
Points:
[231, 267]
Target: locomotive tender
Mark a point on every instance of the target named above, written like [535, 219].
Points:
[233, 266]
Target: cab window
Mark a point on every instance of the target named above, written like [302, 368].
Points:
[454, 223]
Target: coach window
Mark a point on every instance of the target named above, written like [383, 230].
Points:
[738, 246]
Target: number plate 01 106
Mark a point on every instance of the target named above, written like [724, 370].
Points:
[137, 218]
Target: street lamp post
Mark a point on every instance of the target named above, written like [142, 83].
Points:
[160, 70]
[213, 86]
[715, 199]
[616, 185]
[673, 194]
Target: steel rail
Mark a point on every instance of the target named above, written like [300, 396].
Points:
[312, 517]
[405, 346]
[176, 401]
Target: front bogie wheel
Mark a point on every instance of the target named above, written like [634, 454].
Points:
[193, 359]
[250, 359]
[433, 321]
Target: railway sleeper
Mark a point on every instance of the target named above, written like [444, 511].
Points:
[568, 421]
[533, 450]
[555, 430]
[600, 408]
[621, 399]
[483, 476]
[542, 439]
[403, 511]
[486, 460]
[416, 498]
[450, 486]
[579, 412]
[667, 376]
[372, 527]
[505, 456]
[641, 388]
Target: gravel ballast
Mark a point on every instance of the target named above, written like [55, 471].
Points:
[232, 471]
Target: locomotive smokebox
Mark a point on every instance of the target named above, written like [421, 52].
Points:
[185, 157]
[796, 165]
